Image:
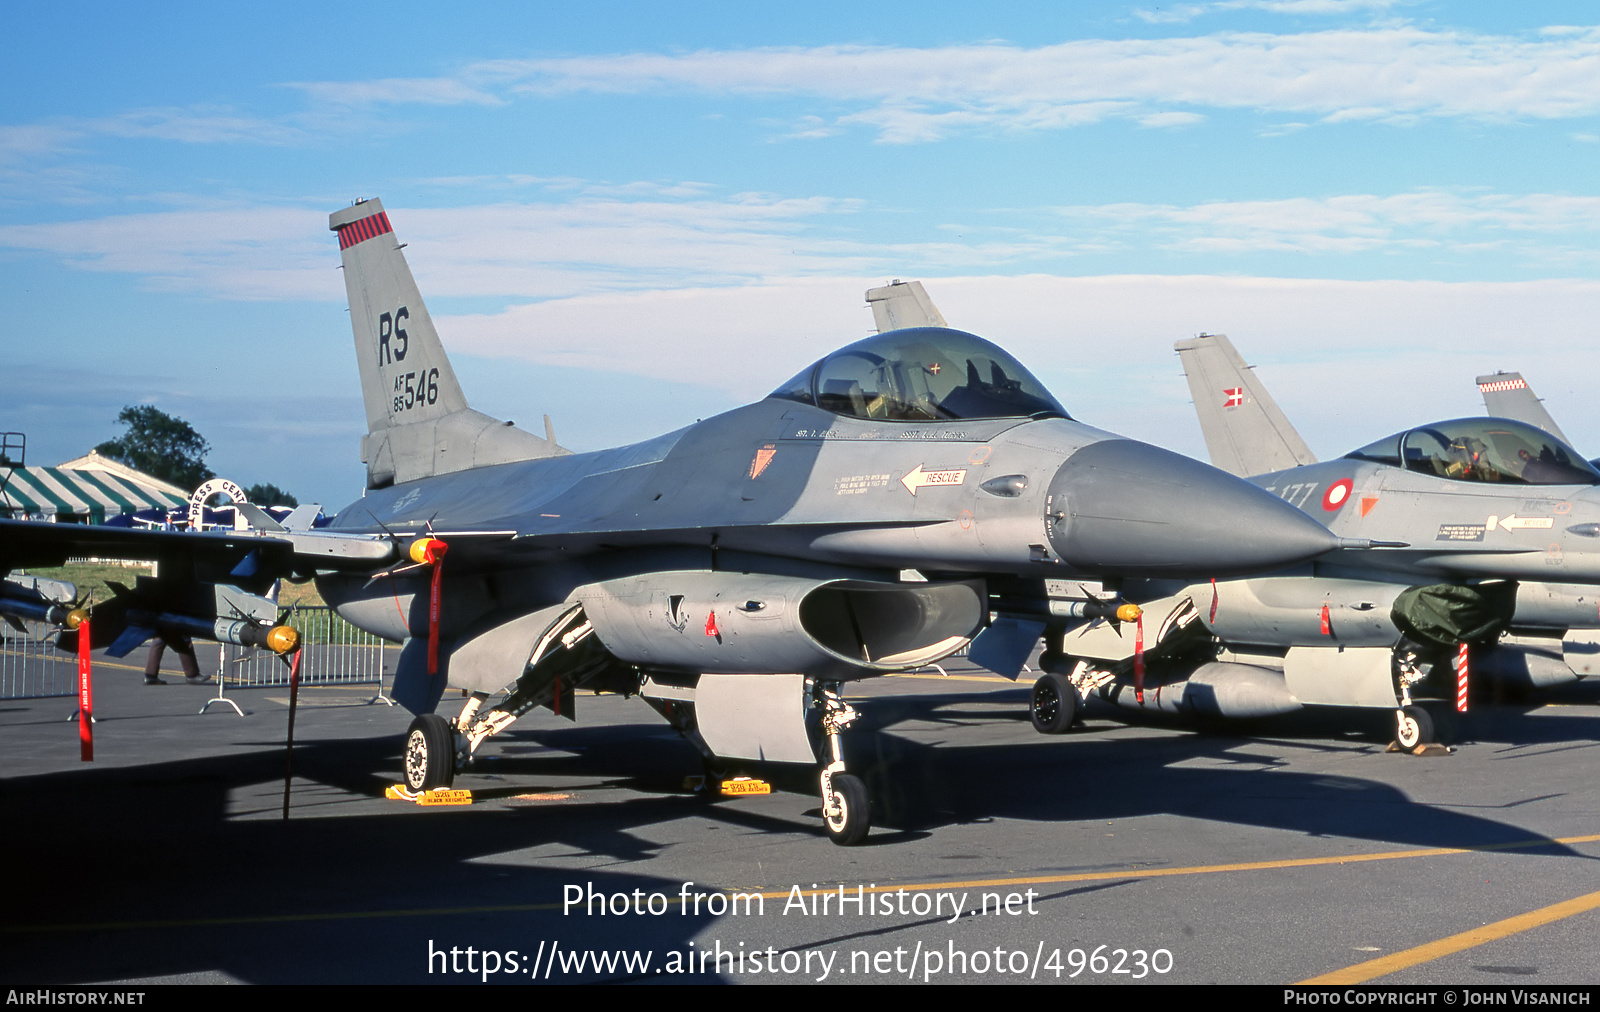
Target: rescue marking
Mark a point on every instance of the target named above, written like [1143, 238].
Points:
[1460, 532]
[1367, 502]
[1516, 523]
[918, 478]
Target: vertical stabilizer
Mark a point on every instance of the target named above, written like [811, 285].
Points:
[418, 421]
[901, 304]
[1246, 432]
[1507, 395]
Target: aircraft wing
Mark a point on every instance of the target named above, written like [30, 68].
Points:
[1246, 432]
[227, 556]
[1507, 395]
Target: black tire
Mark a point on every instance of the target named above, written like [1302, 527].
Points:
[855, 811]
[1413, 727]
[430, 754]
[1054, 705]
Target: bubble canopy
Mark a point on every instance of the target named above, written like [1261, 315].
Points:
[1491, 450]
[922, 374]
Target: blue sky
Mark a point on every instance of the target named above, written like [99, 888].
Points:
[633, 215]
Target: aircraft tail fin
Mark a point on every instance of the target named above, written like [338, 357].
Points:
[902, 304]
[418, 421]
[1507, 395]
[1246, 433]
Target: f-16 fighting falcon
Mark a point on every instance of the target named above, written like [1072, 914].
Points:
[861, 519]
[1492, 526]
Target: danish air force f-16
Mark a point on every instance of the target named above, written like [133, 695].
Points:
[1491, 528]
[859, 520]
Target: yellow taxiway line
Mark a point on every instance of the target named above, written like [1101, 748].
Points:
[1384, 965]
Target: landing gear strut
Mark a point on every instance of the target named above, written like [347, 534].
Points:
[846, 808]
[1413, 725]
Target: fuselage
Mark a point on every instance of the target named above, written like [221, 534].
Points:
[777, 484]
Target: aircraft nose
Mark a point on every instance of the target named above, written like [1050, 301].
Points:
[1124, 507]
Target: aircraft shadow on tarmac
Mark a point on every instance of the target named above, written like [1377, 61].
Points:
[157, 843]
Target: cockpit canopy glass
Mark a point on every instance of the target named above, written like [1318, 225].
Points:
[922, 374]
[1492, 450]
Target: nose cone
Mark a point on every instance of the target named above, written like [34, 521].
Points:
[1120, 507]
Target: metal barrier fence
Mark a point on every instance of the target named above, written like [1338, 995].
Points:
[333, 652]
[31, 667]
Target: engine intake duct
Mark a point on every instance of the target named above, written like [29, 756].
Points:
[732, 623]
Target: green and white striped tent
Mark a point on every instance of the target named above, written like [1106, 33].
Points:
[88, 489]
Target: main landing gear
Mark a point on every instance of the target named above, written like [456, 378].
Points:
[430, 754]
[846, 808]
[1054, 705]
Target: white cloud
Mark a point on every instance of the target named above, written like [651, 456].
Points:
[652, 236]
[1390, 72]
[1171, 119]
[196, 125]
[1173, 13]
[1348, 360]
[1538, 225]
[394, 90]
[246, 253]
[533, 250]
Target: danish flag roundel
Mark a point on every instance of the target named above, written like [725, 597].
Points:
[1337, 494]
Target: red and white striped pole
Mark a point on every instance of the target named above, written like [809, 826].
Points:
[1461, 678]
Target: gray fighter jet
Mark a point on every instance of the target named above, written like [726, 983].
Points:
[859, 520]
[1494, 525]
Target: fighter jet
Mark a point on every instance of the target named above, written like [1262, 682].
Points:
[1492, 526]
[733, 573]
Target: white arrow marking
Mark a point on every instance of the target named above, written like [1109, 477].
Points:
[918, 478]
[1516, 523]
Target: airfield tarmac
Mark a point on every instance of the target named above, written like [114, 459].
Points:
[1296, 851]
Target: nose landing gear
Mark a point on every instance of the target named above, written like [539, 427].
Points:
[846, 807]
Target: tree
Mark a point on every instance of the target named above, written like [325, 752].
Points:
[161, 446]
[268, 494]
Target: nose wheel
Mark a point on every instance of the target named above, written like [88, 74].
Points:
[848, 818]
[846, 806]
[1413, 727]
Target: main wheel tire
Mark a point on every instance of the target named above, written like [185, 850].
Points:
[430, 753]
[1054, 705]
[1413, 727]
[855, 811]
